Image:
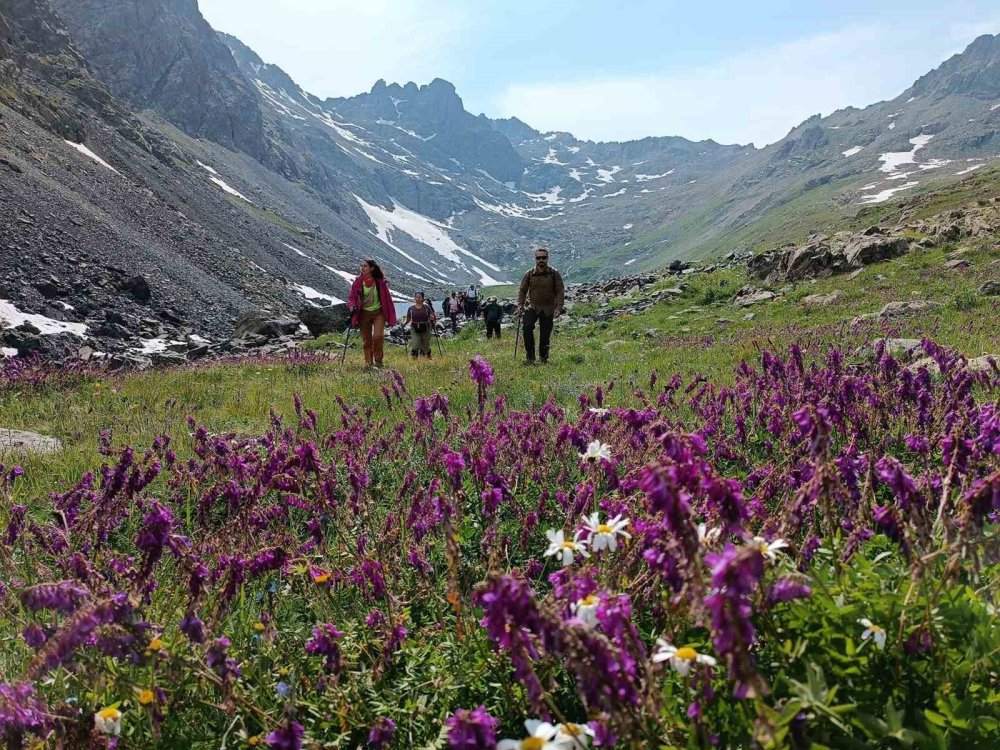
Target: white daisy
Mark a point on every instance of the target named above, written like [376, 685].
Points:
[597, 451]
[574, 736]
[681, 659]
[565, 549]
[541, 736]
[108, 721]
[872, 631]
[605, 535]
[586, 610]
[768, 549]
[598, 411]
[708, 537]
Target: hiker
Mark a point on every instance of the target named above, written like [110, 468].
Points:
[371, 306]
[421, 320]
[472, 302]
[454, 305]
[542, 289]
[492, 314]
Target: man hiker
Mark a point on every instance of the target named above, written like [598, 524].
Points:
[543, 291]
[472, 302]
[492, 314]
[454, 306]
[421, 320]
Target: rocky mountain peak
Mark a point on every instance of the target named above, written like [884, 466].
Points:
[162, 54]
[975, 72]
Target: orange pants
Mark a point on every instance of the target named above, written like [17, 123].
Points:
[372, 326]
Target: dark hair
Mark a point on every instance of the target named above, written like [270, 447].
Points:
[376, 270]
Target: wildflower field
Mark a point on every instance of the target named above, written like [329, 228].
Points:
[779, 536]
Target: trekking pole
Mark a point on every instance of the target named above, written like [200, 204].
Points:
[438, 337]
[343, 354]
[517, 334]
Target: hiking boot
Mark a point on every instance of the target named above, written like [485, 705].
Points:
[529, 362]
[378, 363]
[545, 360]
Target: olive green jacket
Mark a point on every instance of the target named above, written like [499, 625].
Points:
[544, 290]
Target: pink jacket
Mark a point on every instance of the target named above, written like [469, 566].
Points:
[354, 300]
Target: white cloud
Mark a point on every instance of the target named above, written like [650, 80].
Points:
[753, 96]
[341, 47]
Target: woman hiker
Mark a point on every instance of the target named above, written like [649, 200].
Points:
[421, 319]
[454, 308]
[370, 303]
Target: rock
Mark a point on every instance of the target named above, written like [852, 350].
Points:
[17, 441]
[322, 320]
[255, 325]
[749, 316]
[750, 295]
[956, 263]
[823, 300]
[990, 289]
[614, 343]
[906, 348]
[897, 309]
[986, 363]
[138, 287]
[870, 249]
[925, 363]
[168, 358]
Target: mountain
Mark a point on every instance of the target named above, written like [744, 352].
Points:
[140, 142]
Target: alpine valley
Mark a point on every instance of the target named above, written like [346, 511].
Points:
[158, 178]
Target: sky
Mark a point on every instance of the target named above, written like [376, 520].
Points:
[735, 72]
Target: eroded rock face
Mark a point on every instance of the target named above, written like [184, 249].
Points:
[824, 256]
[21, 442]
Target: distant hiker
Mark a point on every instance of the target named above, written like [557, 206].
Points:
[454, 305]
[421, 320]
[543, 291]
[492, 314]
[371, 306]
[472, 302]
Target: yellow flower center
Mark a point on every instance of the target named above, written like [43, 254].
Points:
[283, 671]
[532, 743]
[877, 629]
[253, 741]
[259, 627]
[110, 714]
[146, 697]
[321, 578]
[686, 653]
[588, 601]
[155, 645]
[573, 730]
[604, 529]
[569, 545]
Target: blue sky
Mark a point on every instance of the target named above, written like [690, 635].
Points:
[735, 72]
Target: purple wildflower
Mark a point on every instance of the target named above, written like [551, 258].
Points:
[471, 730]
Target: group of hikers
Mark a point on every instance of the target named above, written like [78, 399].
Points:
[539, 301]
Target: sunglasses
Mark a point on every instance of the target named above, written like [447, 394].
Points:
[541, 257]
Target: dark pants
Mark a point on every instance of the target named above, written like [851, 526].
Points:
[492, 327]
[544, 330]
[454, 321]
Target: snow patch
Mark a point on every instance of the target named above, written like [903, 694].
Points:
[91, 155]
[11, 317]
[648, 177]
[422, 229]
[207, 168]
[551, 196]
[348, 277]
[853, 150]
[616, 194]
[608, 175]
[627, 226]
[582, 196]
[892, 160]
[309, 293]
[973, 168]
[892, 126]
[295, 249]
[630, 262]
[573, 149]
[229, 189]
[551, 137]
[994, 107]
[8, 352]
[576, 174]
[550, 158]
[886, 194]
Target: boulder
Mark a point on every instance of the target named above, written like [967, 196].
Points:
[138, 288]
[751, 295]
[19, 441]
[823, 300]
[867, 249]
[990, 289]
[322, 320]
[897, 309]
[902, 348]
[956, 263]
[256, 324]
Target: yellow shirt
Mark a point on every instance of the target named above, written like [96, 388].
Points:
[369, 297]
